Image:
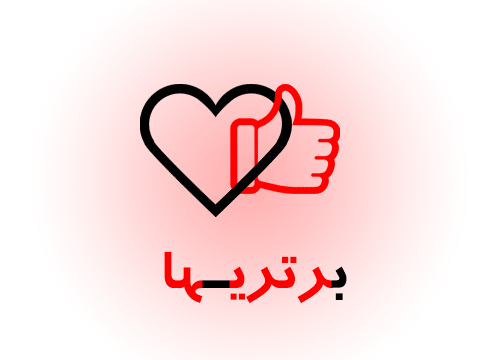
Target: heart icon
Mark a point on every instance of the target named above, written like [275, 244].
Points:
[214, 208]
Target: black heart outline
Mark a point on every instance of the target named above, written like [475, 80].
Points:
[214, 208]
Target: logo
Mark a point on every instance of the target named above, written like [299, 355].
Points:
[241, 186]
[191, 289]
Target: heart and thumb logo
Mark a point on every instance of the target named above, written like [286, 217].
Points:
[214, 208]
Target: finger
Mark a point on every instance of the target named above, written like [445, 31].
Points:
[321, 165]
[279, 103]
[326, 170]
[328, 129]
[323, 148]
[334, 147]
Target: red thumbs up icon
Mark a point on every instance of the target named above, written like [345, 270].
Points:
[311, 171]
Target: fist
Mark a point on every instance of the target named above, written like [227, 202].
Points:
[306, 163]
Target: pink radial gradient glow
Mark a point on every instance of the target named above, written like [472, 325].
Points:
[123, 210]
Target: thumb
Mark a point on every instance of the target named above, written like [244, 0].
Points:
[279, 102]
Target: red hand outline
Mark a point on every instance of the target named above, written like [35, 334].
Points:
[298, 121]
